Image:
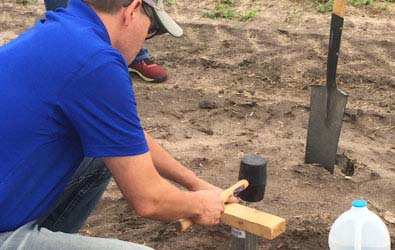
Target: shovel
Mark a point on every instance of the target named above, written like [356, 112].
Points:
[327, 103]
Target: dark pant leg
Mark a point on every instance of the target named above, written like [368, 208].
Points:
[56, 230]
[79, 198]
[53, 4]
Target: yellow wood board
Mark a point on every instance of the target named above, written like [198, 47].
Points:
[253, 221]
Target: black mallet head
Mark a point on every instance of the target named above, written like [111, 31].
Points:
[253, 169]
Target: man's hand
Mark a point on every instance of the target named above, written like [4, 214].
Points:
[204, 185]
[173, 170]
[212, 206]
[153, 197]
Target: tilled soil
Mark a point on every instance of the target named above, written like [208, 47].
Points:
[237, 88]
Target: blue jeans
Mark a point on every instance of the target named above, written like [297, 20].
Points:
[53, 4]
[143, 54]
[57, 229]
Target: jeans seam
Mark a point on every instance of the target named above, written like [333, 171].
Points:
[70, 206]
[89, 185]
[83, 178]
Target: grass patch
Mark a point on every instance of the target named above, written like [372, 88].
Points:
[359, 3]
[327, 5]
[226, 10]
[249, 15]
[170, 2]
[221, 11]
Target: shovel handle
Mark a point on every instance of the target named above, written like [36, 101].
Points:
[338, 7]
[184, 224]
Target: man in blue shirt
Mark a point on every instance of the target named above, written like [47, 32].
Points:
[142, 65]
[70, 119]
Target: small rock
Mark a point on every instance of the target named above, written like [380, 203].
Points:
[208, 104]
[248, 104]
[374, 175]
[281, 245]
[207, 131]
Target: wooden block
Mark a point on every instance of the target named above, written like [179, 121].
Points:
[253, 221]
[184, 224]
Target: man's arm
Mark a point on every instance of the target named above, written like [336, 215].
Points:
[171, 169]
[154, 197]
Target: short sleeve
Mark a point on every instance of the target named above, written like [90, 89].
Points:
[101, 106]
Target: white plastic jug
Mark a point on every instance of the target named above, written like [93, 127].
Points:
[359, 229]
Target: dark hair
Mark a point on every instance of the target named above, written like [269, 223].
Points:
[108, 6]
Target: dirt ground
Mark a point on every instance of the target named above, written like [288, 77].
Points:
[256, 78]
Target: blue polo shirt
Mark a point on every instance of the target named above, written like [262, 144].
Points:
[65, 93]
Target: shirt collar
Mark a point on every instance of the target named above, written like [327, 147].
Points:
[80, 9]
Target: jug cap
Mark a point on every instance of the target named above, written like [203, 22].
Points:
[359, 203]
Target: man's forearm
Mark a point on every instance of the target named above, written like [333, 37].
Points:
[170, 168]
[150, 194]
[154, 197]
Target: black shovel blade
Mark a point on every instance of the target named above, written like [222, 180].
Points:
[325, 122]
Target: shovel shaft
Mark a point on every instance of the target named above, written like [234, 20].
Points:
[334, 43]
[333, 51]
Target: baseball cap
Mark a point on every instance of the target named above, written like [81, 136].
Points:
[166, 22]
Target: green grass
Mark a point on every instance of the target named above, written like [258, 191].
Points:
[359, 3]
[226, 10]
[221, 11]
[249, 15]
[171, 2]
[326, 5]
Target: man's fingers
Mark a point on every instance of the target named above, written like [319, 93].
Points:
[232, 199]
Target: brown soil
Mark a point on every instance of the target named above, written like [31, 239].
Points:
[253, 78]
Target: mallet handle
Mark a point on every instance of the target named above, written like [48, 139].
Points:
[184, 224]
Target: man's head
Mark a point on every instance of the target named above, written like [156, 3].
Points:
[161, 22]
[130, 22]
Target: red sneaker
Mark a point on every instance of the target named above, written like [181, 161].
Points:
[148, 70]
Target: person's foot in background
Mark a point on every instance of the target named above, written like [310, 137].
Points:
[148, 70]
